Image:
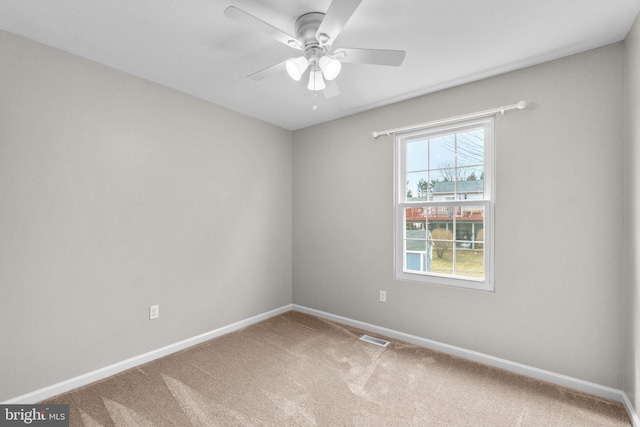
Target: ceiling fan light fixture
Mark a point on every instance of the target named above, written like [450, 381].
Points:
[296, 67]
[330, 67]
[316, 82]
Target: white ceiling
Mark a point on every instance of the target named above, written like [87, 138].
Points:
[189, 45]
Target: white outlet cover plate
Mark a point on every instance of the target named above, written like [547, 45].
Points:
[154, 312]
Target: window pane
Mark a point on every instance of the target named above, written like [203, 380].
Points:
[416, 262]
[470, 173]
[470, 148]
[469, 246]
[416, 223]
[417, 156]
[441, 248]
[469, 262]
[415, 231]
[463, 233]
[471, 183]
[474, 215]
[442, 262]
[418, 187]
[416, 245]
[416, 239]
[438, 213]
[442, 152]
[443, 190]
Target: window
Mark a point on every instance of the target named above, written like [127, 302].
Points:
[444, 205]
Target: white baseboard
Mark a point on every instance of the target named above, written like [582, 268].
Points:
[633, 415]
[551, 377]
[81, 380]
[518, 368]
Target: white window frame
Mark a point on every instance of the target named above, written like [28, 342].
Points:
[401, 204]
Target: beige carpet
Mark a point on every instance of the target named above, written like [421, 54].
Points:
[299, 370]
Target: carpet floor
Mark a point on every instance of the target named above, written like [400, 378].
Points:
[300, 370]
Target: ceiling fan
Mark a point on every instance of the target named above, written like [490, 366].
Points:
[314, 35]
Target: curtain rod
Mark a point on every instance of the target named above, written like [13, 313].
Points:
[519, 106]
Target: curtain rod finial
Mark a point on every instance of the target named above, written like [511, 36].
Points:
[375, 134]
[522, 105]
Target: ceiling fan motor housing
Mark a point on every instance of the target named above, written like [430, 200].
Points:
[307, 27]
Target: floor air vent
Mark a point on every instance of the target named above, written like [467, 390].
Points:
[374, 340]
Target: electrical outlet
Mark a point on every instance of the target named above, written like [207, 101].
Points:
[154, 312]
[383, 296]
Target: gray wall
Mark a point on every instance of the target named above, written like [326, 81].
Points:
[116, 194]
[558, 301]
[632, 224]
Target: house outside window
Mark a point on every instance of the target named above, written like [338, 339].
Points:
[444, 205]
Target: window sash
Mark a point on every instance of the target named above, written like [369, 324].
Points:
[405, 243]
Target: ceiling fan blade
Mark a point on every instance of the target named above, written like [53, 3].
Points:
[370, 56]
[332, 90]
[259, 25]
[269, 71]
[335, 19]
